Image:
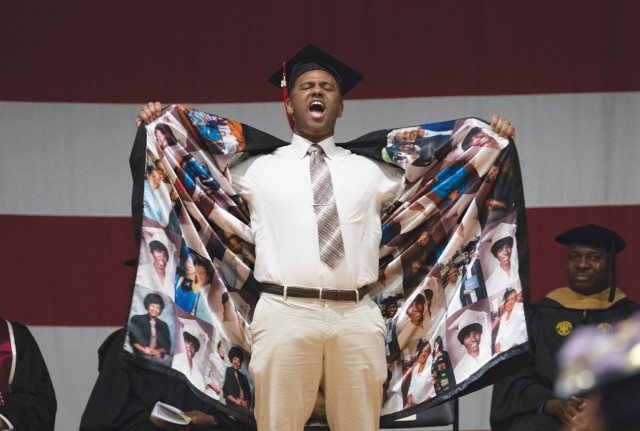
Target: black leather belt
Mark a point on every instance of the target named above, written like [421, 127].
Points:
[354, 295]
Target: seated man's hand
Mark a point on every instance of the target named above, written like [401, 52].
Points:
[148, 113]
[564, 410]
[502, 127]
[166, 425]
[199, 418]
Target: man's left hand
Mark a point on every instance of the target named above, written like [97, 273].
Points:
[502, 127]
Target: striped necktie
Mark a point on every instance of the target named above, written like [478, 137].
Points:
[329, 234]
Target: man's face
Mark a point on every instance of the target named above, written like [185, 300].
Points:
[472, 342]
[416, 312]
[235, 363]
[316, 104]
[587, 268]
[154, 310]
[504, 255]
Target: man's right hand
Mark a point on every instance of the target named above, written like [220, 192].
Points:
[148, 113]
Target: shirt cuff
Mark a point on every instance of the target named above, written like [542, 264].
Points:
[8, 425]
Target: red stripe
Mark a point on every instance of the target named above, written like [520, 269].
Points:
[68, 271]
[124, 51]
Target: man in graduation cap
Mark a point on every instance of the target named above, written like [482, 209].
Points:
[315, 210]
[526, 401]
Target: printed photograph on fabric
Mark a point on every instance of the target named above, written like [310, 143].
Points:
[473, 142]
[500, 256]
[443, 277]
[415, 145]
[151, 327]
[158, 260]
[442, 375]
[192, 348]
[197, 273]
[469, 339]
[508, 325]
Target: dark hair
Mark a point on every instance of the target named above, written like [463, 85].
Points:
[420, 299]
[156, 245]
[235, 352]
[437, 341]
[465, 142]
[192, 339]
[499, 243]
[468, 329]
[201, 261]
[422, 343]
[168, 132]
[508, 292]
[390, 300]
[153, 298]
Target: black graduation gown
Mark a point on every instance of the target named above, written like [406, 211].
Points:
[124, 395]
[32, 403]
[517, 399]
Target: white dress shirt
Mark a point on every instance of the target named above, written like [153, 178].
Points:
[277, 188]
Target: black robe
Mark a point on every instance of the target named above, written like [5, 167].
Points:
[124, 395]
[32, 403]
[518, 399]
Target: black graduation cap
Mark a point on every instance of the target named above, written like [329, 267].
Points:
[313, 58]
[600, 237]
[593, 235]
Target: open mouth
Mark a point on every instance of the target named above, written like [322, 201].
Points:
[316, 107]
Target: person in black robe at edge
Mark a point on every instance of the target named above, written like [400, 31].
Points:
[526, 401]
[28, 402]
[124, 396]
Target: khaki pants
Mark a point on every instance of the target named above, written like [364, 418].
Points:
[300, 344]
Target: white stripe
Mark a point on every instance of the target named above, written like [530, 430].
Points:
[72, 159]
[71, 355]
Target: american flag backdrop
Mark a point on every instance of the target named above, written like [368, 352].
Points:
[74, 74]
